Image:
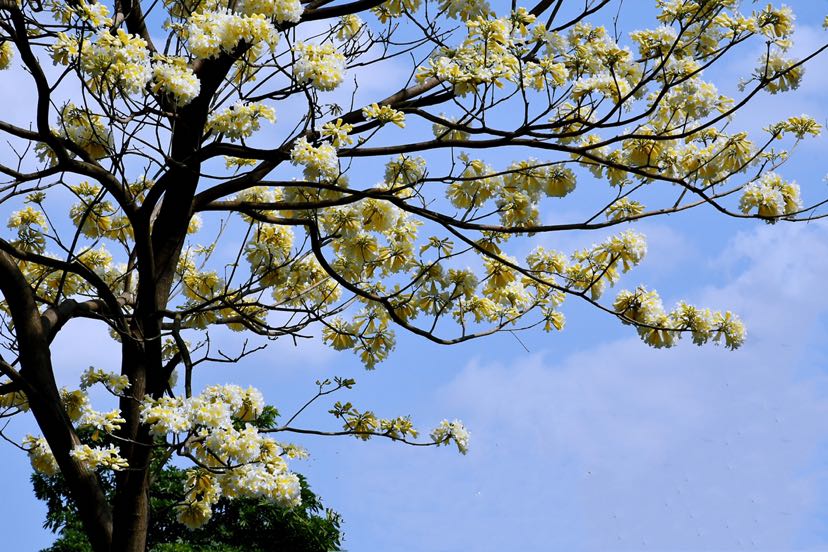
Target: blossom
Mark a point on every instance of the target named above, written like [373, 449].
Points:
[108, 422]
[454, 431]
[770, 196]
[85, 129]
[801, 125]
[778, 73]
[558, 181]
[210, 33]
[28, 216]
[338, 131]
[194, 514]
[243, 461]
[319, 65]
[40, 455]
[654, 42]
[465, 9]
[775, 22]
[76, 403]
[166, 415]
[443, 132]
[95, 14]
[545, 73]
[119, 62]
[115, 383]
[384, 114]
[238, 162]
[282, 11]
[6, 54]
[319, 162]
[349, 26]
[240, 120]
[97, 457]
[698, 321]
[623, 209]
[395, 8]
[730, 329]
[404, 170]
[172, 75]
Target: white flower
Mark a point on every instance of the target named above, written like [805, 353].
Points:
[321, 66]
[40, 455]
[241, 120]
[211, 33]
[174, 76]
[95, 457]
[319, 162]
[452, 431]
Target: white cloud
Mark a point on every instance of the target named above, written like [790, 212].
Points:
[621, 447]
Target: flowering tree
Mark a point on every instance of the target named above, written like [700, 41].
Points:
[150, 117]
[237, 525]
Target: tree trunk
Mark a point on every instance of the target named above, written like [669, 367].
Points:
[47, 407]
[84, 488]
[140, 359]
[132, 512]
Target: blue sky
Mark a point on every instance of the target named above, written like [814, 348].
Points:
[589, 440]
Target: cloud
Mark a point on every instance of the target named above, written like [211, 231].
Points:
[690, 448]
[622, 447]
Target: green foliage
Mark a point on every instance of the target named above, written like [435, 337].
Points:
[239, 525]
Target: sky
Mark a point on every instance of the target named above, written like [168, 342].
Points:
[586, 439]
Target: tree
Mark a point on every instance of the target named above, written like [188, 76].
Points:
[240, 525]
[245, 524]
[148, 116]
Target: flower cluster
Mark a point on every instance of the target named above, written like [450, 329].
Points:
[591, 269]
[320, 65]
[799, 126]
[269, 248]
[776, 22]
[15, 399]
[236, 459]
[547, 73]
[349, 26]
[517, 190]
[173, 76]
[320, 162]
[85, 129]
[778, 73]
[240, 120]
[201, 285]
[40, 455]
[99, 457]
[771, 196]
[456, 9]
[384, 114]
[485, 57]
[6, 54]
[659, 328]
[116, 62]
[453, 431]
[92, 216]
[655, 43]
[338, 131]
[624, 209]
[95, 14]
[115, 383]
[449, 132]
[108, 422]
[211, 33]
[28, 216]
[395, 8]
[281, 11]
[464, 10]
